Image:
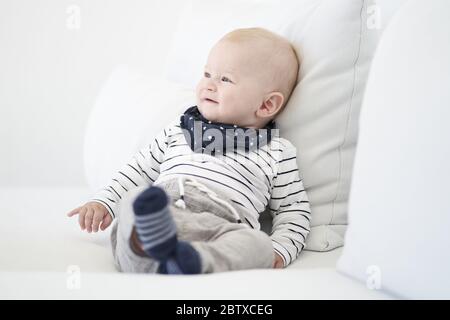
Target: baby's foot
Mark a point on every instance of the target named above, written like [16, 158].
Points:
[135, 244]
[156, 231]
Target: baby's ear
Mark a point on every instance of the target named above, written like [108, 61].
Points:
[271, 105]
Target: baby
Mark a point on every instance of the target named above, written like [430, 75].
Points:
[190, 201]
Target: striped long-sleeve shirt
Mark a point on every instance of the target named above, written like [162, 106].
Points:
[265, 178]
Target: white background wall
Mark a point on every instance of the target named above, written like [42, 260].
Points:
[51, 72]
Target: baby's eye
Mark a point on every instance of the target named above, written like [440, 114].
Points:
[225, 79]
[207, 75]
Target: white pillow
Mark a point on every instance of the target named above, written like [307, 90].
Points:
[399, 214]
[129, 110]
[336, 47]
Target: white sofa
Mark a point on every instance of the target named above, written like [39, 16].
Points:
[41, 250]
[44, 255]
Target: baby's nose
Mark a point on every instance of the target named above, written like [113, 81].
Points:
[210, 86]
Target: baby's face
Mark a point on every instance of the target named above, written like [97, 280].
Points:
[232, 87]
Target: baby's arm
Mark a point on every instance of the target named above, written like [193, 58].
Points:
[141, 170]
[290, 209]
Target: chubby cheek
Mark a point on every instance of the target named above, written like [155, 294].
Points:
[229, 99]
[235, 102]
[197, 92]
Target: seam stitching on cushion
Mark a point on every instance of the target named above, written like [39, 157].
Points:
[349, 110]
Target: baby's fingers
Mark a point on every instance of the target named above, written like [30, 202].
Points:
[88, 219]
[81, 217]
[106, 222]
[74, 211]
[98, 217]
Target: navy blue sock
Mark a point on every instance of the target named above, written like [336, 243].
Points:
[156, 231]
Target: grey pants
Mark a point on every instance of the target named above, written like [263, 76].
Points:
[222, 244]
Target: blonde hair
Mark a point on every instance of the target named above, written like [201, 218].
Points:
[280, 55]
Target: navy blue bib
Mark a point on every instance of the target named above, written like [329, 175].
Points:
[204, 136]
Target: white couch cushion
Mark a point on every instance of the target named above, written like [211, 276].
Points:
[335, 46]
[269, 284]
[25, 247]
[45, 256]
[398, 238]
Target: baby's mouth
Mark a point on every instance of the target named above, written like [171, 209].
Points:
[210, 100]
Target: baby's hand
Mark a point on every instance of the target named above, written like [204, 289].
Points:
[90, 215]
[278, 261]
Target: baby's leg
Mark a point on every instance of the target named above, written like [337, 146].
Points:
[227, 246]
[213, 244]
[126, 259]
[157, 234]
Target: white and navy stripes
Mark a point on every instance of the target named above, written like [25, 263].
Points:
[154, 223]
[266, 177]
[157, 232]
